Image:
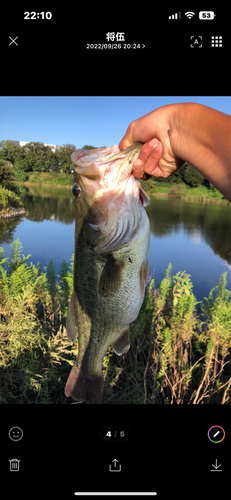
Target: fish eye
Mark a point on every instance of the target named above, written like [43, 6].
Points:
[76, 190]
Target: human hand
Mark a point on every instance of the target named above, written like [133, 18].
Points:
[156, 156]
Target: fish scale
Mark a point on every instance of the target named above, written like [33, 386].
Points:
[110, 265]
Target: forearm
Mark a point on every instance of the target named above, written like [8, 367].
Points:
[202, 137]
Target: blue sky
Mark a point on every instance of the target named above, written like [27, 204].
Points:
[98, 121]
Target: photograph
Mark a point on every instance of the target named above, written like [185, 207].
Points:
[115, 250]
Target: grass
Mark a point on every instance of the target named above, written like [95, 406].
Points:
[49, 178]
[179, 354]
[8, 199]
[35, 355]
[188, 193]
[153, 188]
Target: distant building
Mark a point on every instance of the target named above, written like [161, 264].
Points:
[22, 143]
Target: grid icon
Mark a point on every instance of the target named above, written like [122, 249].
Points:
[216, 41]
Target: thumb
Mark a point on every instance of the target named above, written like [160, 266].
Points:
[127, 139]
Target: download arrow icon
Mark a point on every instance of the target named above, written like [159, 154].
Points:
[216, 467]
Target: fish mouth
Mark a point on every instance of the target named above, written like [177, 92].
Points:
[111, 157]
[85, 165]
[91, 163]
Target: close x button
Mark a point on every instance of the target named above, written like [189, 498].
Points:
[13, 41]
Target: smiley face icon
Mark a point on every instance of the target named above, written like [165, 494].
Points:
[15, 433]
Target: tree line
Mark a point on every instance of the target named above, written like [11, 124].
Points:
[35, 156]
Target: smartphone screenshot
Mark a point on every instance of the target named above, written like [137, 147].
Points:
[115, 254]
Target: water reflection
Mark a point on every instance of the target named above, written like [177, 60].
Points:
[43, 203]
[194, 237]
[8, 228]
[200, 222]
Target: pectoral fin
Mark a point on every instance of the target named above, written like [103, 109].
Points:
[143, 274]
[111, 276]
[71, 325]
[122, 345]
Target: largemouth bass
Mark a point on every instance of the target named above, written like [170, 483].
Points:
[112, 234]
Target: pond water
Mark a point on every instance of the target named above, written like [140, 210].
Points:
[194, 237]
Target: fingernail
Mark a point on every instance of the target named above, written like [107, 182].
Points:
[157, 147]
[138, 166]
[155, 144]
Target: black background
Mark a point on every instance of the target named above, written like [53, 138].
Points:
[52, 59]
[61, 451]
[169, 451]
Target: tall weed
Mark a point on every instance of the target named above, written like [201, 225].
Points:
[180, 349]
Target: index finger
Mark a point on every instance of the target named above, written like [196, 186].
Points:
[147, 148]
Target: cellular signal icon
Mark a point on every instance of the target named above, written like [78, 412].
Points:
[190, 14]
[175, 16]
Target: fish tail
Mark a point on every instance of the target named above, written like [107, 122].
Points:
[81, 386]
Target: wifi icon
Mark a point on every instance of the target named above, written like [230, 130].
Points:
[190, 14]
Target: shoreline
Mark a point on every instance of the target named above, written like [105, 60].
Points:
[13, 213]
[45, 184]
[196, 199]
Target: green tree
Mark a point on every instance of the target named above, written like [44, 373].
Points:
[192, 177]
[64, 158]
[52, 160]
[7, 151]
[20, 175]
[40, 165]
[6, 175]
[32, 152]
[23, 165]
[37, 147]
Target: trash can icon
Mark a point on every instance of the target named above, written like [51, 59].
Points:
[14, 464]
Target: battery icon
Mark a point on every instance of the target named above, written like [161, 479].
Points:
[206, 15]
